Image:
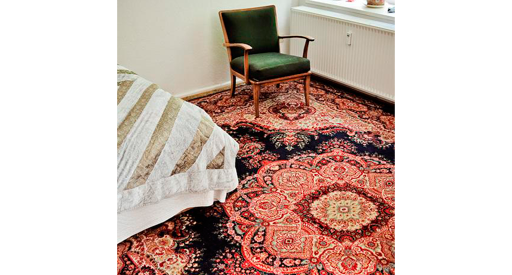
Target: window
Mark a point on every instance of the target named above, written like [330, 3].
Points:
[356, 8]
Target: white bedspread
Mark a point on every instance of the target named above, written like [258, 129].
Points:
[166, 146]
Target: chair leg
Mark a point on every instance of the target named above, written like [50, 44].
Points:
[306, 89]
[233, 84]
[256, 95]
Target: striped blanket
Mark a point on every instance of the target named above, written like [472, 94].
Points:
[166, 146]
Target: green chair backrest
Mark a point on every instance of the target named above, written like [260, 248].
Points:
[255, 27]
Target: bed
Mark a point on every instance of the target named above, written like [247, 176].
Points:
[171, 156]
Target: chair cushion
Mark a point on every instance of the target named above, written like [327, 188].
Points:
[257, 28]
[264, 66]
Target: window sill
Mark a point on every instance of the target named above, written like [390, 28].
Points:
[356, 8]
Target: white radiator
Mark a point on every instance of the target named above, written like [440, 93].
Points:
[365, 61]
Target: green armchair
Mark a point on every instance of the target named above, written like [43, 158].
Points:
[252, 42]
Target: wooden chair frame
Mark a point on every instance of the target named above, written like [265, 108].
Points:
[256, 85]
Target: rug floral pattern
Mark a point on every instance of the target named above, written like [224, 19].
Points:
[316, 192]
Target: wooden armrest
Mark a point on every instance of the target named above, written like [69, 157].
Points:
[246, 48]
[238, 45]
[306, 45]
[309, 38]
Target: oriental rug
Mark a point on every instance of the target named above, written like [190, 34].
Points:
[316, 192]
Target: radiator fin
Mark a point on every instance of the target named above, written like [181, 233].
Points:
[368, 64]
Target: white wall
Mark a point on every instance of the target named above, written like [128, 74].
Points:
[178, 44]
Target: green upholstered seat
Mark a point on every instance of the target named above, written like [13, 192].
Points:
[256, 28]
[264, 66]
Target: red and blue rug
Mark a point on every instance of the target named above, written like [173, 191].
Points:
[316, 192]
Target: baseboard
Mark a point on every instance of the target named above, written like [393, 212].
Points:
[208, 90]
[388, 105]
